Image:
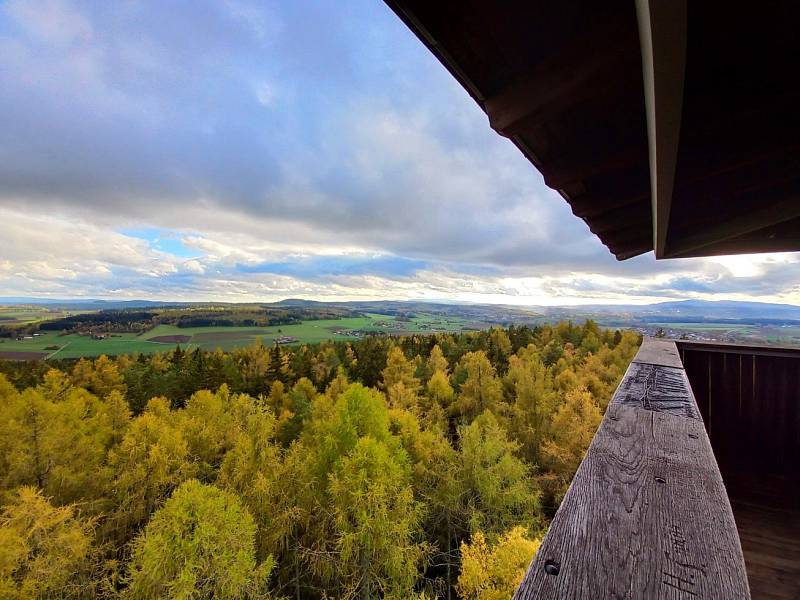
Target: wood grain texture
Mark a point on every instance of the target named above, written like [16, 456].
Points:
[749, 399]
[653, 387]
[646, 515]
[771, 544]
[659, 352]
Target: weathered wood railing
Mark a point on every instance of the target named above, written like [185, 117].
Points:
[646, 515]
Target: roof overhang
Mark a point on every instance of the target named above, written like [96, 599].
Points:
[667, 125]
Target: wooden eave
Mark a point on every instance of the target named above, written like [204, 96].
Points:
[666, 125]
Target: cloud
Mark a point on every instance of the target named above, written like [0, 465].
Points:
[53, 21]
[258, 150]
[332, 266]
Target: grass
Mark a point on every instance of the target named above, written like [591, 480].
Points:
[78, 346]
[228, 338]
[20, 315]
[741, 328]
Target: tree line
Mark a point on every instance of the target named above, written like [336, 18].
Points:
[128, 320]
[411, 467]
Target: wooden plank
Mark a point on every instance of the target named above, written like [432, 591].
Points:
[696, 367]
[749, 349]
[657, 388]
[734, 225]
[659, 352]
[771, 544]
[578, 168]
[748, 411]
[587, 206]
[645, 517]
[569, 78]
[647, 514]
[620, 217]
[662, 34]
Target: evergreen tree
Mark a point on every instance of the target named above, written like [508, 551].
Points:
[481, 389]
[573, 427]
[494, 571]
[500, 492]
[200, 544]
[45, 551]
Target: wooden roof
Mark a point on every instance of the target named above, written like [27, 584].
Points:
[666, 125]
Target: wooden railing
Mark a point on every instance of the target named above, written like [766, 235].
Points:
[749, 397]
[647, 514]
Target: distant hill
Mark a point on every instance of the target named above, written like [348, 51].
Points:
[84, 303]
[700, 310]
[726, 309]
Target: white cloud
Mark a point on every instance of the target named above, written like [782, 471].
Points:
[265, 93]
[370, 161]
[752, 265]
[53, 21]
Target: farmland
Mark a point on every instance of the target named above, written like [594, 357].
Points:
[61, 345]
[23, 314]
[752, 332]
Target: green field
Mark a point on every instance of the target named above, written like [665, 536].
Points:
[56, 345]
[21, 315]
[711, 327]
[77, 346]
[780, 335]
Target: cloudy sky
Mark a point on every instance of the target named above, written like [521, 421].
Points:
[237, 150]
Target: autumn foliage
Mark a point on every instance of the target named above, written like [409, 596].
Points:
[414, 467]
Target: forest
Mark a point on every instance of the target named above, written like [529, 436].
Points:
[421, 466]
[138, 321]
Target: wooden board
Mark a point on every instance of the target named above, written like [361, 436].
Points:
[771, 543]
[653, 387]
[659, 352]
[646, 515]
[749, 398]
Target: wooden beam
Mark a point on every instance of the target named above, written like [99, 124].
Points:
[646, 515]
[658, 352]
[636, 214]
[631, 247]
[736, 175]
[624, 235]
[745, 246]
[784, 237]
[578, 74]
[662, 34]
[634, 250]
[575, 169]
[747, 221]
[590, 205]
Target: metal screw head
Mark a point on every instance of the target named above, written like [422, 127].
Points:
[551, 567]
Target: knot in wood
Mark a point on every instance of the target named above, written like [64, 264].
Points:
[551, 567]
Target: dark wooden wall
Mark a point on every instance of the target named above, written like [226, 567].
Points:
[749, 398]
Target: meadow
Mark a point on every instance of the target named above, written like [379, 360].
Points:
[22, 314]
[743, 333]
[59, 345]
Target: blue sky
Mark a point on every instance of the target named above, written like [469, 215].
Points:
[236, 150]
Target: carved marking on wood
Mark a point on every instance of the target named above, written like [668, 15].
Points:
[656, 388]
[679, 583]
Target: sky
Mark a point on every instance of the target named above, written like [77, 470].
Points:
[231, 150]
